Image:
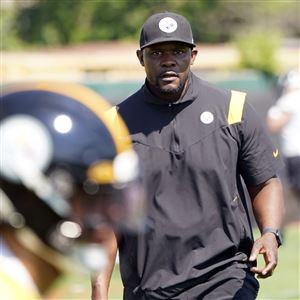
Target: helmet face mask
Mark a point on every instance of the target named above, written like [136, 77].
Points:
[121, 206]
[64, 161]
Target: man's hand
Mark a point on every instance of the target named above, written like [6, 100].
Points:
[268, 247]
[268, 209]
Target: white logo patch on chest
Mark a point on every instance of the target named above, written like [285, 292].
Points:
[206, 117]
[167, 25]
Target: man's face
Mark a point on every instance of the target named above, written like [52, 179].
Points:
[167, 67]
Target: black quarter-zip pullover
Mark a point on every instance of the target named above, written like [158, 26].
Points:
[195, 153]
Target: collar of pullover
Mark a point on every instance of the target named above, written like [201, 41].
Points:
[190, 94]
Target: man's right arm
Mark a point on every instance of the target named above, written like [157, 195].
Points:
[100, 282]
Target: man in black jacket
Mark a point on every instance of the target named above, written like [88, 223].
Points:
[198, 144]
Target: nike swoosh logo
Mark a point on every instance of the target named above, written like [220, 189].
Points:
[275, 153]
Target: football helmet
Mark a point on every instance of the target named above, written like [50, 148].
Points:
[61, 146]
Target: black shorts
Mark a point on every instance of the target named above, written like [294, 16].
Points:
[293, 173]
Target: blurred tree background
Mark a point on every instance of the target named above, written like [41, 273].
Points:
[255, 28]
[65, 22]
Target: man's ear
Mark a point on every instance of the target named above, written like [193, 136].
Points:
[139, 54]
[193, 55]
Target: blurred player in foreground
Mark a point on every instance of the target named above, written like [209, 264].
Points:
[284, 119]
[68, 180]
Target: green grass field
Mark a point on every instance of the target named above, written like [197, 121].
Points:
[283, 285]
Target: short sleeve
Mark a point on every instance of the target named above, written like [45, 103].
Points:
[259, 159]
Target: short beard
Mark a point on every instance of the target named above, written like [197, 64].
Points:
[171, 91]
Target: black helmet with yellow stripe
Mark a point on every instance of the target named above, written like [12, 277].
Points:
[61, 146]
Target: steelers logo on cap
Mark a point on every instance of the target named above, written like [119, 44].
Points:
[167, 25]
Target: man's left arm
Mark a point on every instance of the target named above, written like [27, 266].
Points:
[268, 207]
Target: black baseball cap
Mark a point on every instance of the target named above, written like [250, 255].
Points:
[166, 27]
